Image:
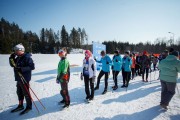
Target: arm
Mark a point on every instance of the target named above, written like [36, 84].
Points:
[30, 66]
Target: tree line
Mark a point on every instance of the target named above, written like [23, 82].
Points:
[49, 41]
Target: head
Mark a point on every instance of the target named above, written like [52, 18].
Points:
[165, 52]
[171, 50]
[103, 53]
[19, 50]
[88, 54]
[145, 52]
[116, 52]
[176, 54]
[127, 53]
[62, 52]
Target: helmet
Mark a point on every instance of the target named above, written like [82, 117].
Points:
[19, 47]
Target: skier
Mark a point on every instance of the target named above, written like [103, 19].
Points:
[145, 63]
[89, 74]
[138, 66]
[106, 62]
[116, 67]
[169, 69]
[155, 61]
[63, 77]
[126, 69]
[22, 64]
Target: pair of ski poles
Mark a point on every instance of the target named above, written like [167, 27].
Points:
[26, 88]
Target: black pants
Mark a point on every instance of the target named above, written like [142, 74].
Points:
[126, 77]
[105, 80]
[167, 92]
[154, 65]
[64, 92]
[24, 92]
[132, 72]
[145, 70]
[88, 81]
[115, 74]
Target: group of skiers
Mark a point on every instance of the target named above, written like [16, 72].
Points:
[131, 65]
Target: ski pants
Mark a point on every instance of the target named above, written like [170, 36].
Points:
[88, 81]
[145, 70]
[64, 91]
[115, 74]
[105, 80]
[24, 92]
[167, 92]
[132, 72]
[126, 77]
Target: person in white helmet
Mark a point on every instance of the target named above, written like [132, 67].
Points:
[23, 64]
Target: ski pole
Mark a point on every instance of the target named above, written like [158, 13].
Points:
[23, 80]
[29, 94]
[32, 91]
[150, 77]
[178, 90]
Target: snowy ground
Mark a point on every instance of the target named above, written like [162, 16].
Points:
[139, 102]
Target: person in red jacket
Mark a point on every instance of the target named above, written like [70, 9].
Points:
[133, 65]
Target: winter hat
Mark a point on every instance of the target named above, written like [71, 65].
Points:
[88, 53]
[171, 50]
[144, 52]
[19, 47]
[175, 53]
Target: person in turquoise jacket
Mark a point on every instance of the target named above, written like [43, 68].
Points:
[116, 67]
[106, 63]
[169, 68]
[126, 69]
[63, 77]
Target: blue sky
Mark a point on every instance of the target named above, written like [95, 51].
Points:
[121, 20]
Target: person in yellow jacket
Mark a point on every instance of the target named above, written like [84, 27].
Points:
[63, 77]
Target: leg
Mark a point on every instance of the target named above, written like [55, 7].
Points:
[170, 92]
[147, 72]
[65, 93]
[106, 80]
[92, 88]
[128, 77]
[99, 78]
[20, 93]
[143, 71]
[113, 72]
[116, 74]
[86, 82]
[124, 77]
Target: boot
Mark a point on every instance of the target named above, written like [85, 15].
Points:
[115, 88]
[66, 106]
[25, 111]
[18, 108]
[96, 88]
[61, 102]
[104, 92]
[123, 86]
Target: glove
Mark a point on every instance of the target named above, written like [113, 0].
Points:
[116, 60]
[95, 59]
[12, 56]
[57, 81]
[107, 62]
[81, 76]
[93, 79]
[18, 69]
[129, 60]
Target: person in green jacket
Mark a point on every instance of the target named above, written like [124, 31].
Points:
[63, 77]
[169, 68]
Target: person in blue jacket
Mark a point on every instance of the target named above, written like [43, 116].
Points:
[116, 67]
[106, 63]
[126, 69]
[22, 64]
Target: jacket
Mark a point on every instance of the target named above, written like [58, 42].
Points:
[91, 68]
[106, 63]
[26, 65]
[145, 62]
[169, 68]
[126, 64]
[133, 62]
[117, 63]
[63, 69]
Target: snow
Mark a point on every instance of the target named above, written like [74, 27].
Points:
[139, 102]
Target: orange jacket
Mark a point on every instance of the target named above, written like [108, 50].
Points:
[133, 62]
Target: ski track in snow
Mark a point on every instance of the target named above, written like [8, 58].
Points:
[139, 102]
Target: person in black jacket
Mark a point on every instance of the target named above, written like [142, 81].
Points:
[23, 65]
